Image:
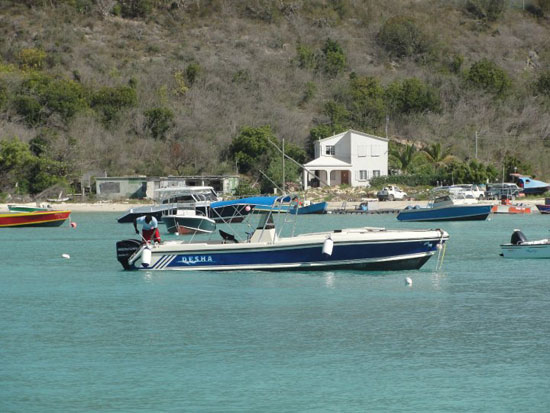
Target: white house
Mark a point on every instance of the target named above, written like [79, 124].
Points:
[350, 157]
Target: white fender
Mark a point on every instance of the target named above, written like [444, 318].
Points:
[146, 256]
[327, 246]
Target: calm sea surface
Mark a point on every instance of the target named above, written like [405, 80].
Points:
[80, 334]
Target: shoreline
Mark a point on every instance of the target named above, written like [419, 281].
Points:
[107, 206]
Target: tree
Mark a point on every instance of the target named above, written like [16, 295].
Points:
[251, 146]
[489, 10]
[404, 157]
[438, 156]
[159, 121]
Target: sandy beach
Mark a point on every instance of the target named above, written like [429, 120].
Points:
[106, 206]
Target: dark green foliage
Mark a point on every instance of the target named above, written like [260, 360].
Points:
[24, 172]
[366, 102]
[412, 96]
[489, 10]
[41, 96]
[401, 37]
[65, 97]
[29, 108]
[110, 101]
[41, 144]
[159, 121]
[192, 73]
[330, 60]
[135, 8]
[251, 146]
[512, 164]
[472, 172]
[245, 189]
[542, 84]
[334, 59]
[3, 94]
[337, 113]
[486, 75]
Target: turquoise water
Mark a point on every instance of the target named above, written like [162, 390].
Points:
[80, 334]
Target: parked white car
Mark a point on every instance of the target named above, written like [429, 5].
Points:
[391, 193]
[463, 191]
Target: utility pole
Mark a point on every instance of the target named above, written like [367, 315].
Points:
[476, 145]
[284, 191]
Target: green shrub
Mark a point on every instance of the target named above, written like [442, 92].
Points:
[110, 101]
[30, 109]
[542, 84]
[401, 37]
[245, 189]
[305, 57]
[159, 121]
[334, 58]
[192, 72]
[486, 75]
[489, 10]
[3, 94]
[365, 102]
[65, 97]
[135, 8]
[31, 59]
[412, 96]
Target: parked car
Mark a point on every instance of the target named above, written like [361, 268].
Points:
[391, 193]
[503, 190]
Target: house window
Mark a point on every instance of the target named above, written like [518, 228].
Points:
[363, 175]
[376, 150]
[375, 173]
[330, 150]
[362, 151]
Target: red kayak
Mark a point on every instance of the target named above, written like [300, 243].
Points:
[35, 219]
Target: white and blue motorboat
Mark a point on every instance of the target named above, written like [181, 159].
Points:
[447, 208]
[265, 247]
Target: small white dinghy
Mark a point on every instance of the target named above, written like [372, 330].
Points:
[520, 247]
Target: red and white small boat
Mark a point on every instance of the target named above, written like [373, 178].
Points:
[506, 207]
[52, 218]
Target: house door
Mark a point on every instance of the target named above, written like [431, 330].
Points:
[344, 176]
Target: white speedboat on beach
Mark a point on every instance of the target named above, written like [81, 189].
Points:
[520, 247]
[265, 247]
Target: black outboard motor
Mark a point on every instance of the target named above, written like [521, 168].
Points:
[125, 249]
[518, 237]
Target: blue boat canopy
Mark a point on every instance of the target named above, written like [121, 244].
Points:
[254, 200]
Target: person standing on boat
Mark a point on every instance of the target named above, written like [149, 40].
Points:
[149, 229]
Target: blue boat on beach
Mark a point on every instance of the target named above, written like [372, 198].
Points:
[445, 208]
[531, 186]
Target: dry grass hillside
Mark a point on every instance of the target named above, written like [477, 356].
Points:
[219, 65]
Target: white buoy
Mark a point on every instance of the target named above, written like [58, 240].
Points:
[327, 246]
[408, 281]
[67, 256]
[146, 257]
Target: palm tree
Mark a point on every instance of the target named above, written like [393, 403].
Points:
[403, 157]
[438, 156]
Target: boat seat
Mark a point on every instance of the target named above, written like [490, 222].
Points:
[228, 237]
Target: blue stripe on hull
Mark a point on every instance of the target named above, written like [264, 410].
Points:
[460, 213]
[344, 255]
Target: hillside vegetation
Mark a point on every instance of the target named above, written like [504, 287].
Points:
[163, 87]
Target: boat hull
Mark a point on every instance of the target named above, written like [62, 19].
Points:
[376, 253]
[34, 219]
[543, 209]
[317, 208]
[452, 213]
[525, 251]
